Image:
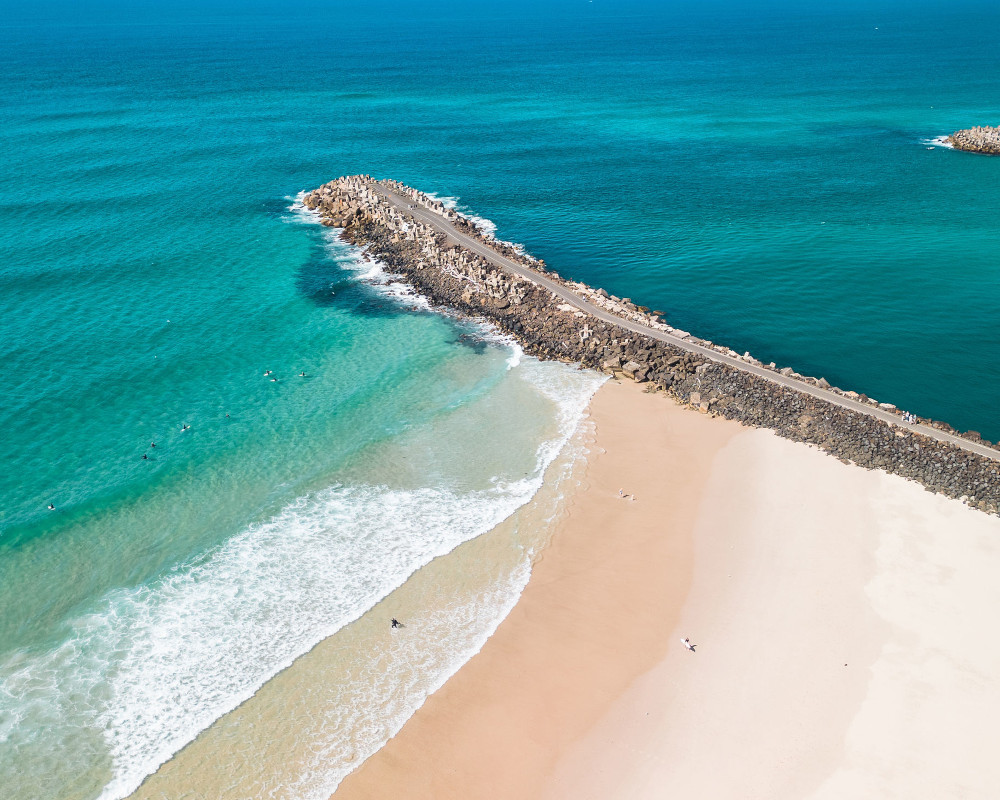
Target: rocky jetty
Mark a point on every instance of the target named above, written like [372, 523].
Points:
[977, 140]
[550, 328]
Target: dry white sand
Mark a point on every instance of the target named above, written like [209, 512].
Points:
[845, 646]
[843, 621]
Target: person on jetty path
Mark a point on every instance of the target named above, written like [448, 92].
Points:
[687, 643]
[396, 623]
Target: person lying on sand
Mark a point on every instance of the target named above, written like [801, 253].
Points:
[687, 643]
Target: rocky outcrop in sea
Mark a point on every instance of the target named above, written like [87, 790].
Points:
[977, 140]
[549, 328]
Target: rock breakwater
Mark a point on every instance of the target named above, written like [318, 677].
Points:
[389, 220]
[977, 140]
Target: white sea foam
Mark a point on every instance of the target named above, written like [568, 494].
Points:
[299, 213]
[486, 226]
[155, 665]
[449, 636]
[938, 141]
[516, 353]
[374, 272]
[367, 269]
[446, 200]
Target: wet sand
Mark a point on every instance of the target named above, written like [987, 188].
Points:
[599, 611]
[842, 622]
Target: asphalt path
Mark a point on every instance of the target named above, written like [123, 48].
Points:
[441, 224]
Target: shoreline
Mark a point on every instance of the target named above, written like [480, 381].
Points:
[336, 704]
[838, 617]
[499, 727]
[443, 256]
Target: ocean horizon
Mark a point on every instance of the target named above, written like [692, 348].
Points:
[769, 178]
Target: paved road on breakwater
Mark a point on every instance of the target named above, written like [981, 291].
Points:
[441, 224]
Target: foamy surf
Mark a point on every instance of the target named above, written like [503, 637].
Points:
[301, 734]
[155, 665]
[448, 637]
[938, 141]
[487, 227]
[368, 270]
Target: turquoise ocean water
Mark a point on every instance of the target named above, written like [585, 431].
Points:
[764, 176]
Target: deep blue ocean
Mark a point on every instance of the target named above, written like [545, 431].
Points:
[766, 176]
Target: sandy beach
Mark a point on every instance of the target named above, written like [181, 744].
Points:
[841, 622]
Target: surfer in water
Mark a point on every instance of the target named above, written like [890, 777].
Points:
[152, 444]
[185, 426]
[51, 507]
[145, 457]
[302, 374]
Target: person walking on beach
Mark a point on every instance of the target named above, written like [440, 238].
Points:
[396, 623]
[687, 643]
